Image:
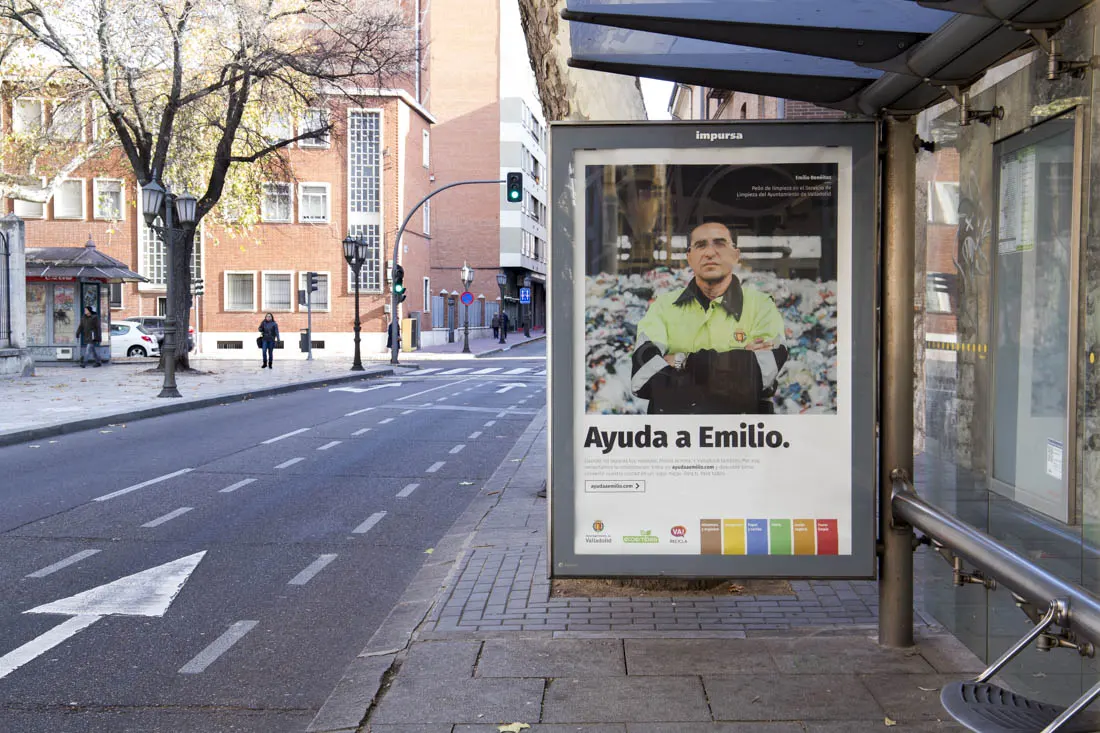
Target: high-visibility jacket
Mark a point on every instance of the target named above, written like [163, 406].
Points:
[720, 376]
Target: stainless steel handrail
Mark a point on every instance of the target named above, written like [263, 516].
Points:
[1023, 577]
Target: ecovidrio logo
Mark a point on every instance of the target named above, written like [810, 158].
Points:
[716, 136]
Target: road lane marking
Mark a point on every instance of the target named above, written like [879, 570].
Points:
[15, 659]
[291, 462]
[521, 370]
[490, 370]
[407, 490]
[169, 516]
[420, 372]
[455, 371]
[60, 564]
[541, 373]
[440, 399]
[358, 412]
[458, 448]
[474, 435]
[361, 431]
[143, 484]
[491, 423]
[502, 414]
[408, 412]
[218, 647]
[435, 466]
[333, 444]
[371, 521]
[387, 420]
[277, 438]
[315, 567]
[523, 401]
[233, 487]
[510, 386]
[433, 389]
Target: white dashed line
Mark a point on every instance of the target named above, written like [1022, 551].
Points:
[441, 399]
[361, 431]
[371, 521]
[168, 517]
[143, 484]
[491, 423]
[233, 487]
[60, 564]
[387, 420]
[435, 466]
[502, 414]
[220, 646]
[490, 370]
[458, 448]
[291, 462]
[277, 438]
[314, 567]
[358, 412]
[333, 444]
[474, 435]
[407, 490]
[523, 401]
[408, 412]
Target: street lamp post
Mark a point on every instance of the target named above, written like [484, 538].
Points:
[529, 310]
[158, 203]
[502, 278]
[467, 280]
[355, 253]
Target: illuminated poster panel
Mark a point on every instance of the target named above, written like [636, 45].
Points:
[712, 349]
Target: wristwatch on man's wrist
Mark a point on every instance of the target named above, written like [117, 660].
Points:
[679, 359]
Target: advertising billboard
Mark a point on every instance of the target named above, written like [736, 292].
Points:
[711, 347]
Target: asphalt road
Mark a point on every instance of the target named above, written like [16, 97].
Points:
[278, 533]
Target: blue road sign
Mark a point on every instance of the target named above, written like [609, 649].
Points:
[525, 295]
[467, 298]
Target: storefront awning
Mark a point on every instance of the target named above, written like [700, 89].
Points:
[919, 48]
[71, 263]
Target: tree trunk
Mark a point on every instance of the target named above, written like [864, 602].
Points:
[179, 294]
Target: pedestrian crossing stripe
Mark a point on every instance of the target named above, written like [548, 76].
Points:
[420, 372]
[489, 370]
[455, 371]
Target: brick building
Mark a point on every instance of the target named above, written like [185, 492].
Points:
[691, 102]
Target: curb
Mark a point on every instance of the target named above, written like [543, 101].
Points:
[531, 340]
[50, 431]
[362, 682]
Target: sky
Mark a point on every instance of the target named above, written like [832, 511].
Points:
[656, 94]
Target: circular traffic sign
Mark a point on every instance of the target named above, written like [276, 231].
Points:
[467, 298]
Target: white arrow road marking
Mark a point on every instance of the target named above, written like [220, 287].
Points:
[509, 386]
[359, 390]
[315, 567]
[371, 521]
[277, 438]
[233, 487]
[219, 647]
[148, 593]
[60, 564]
[169, 516]
[143, 484]
[404, 493]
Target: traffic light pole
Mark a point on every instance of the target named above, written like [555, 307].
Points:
[395, 322]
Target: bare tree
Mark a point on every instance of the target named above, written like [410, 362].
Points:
[189, 89]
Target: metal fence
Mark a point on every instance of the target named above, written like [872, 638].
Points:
[450, 311]
[5, 291]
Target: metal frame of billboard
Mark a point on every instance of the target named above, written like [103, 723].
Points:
[850, 147]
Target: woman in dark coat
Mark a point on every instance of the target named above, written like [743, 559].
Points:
[269, 334]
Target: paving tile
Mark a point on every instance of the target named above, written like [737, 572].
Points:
[878, 726]
[544, 728]
[790, 697]
[755, 727]
[441, 658]
[844, 655]
[625, 699]
[697, 656]
[419, 700]
[948, 655]
[551, 658]
[438, 728]
[909, 697]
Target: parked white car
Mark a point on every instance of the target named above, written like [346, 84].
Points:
[129, 338]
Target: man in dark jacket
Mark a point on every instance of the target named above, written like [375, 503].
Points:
[90, 336]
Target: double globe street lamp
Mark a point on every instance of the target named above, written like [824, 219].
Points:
[467, 276]
[175, 213]
[356, 252]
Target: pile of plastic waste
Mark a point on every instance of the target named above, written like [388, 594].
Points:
[616, 303]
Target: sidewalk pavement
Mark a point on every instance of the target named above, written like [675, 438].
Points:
[480, 347]
[477, 642]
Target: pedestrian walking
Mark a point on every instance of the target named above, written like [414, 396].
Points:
[504, 326]
[269, 334]
[90, 335]
[495, 323]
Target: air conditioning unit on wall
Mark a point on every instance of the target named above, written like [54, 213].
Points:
[65, 352]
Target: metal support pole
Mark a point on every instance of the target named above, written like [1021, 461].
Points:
[357, 363]
[895, 589]
[466, 330]
[170, 240]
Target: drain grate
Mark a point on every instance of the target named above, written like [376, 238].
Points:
[987, 708]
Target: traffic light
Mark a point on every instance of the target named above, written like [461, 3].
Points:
[311, 282]
[514, 187]
[398, 283]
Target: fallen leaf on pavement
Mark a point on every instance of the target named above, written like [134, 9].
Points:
[891, 723]
[513, 728]
[516, 460]
[429, 551]
[491, 493]
[735, 588]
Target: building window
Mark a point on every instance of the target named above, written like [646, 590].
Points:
[370, 276]
[68, 202]
[240, 291]
[68, 120]
[427, 213]
[365, 192]
[109, 199]
[320, 299]
[277, 294]
[30, 209]
[114, 295]
[27, 115]
[315, 120]
[275, 205]
[426, 137]
[313, 202]
[278, 127]
[153, 255]
[427, 293]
